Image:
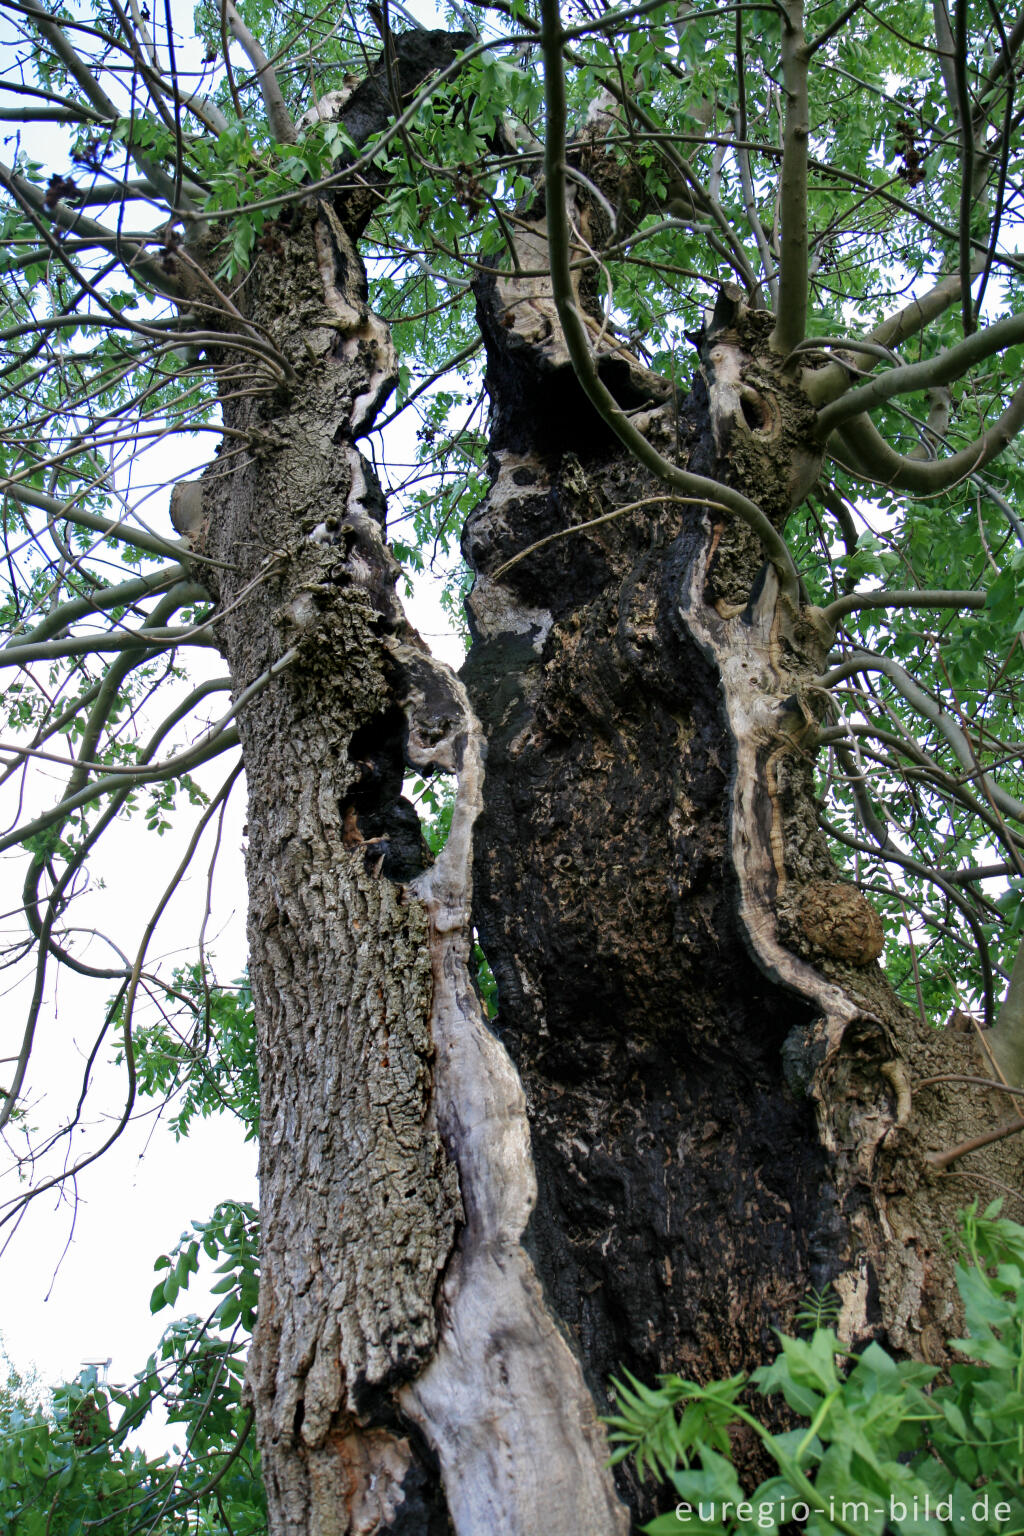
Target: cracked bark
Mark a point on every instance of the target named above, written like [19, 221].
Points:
[404, 1362]
[710, 1110]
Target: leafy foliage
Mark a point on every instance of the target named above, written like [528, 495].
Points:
[232, 1235]
[71, 1466]
[208, 1066]
[819, 1309]
[70, 1458]
[881, 1446]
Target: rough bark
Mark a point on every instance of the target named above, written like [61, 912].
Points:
[716, 1076]
[406, 1372]
[350, 1149]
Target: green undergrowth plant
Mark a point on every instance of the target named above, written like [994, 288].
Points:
[883, 1445]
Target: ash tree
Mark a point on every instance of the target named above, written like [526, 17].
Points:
[706, 324]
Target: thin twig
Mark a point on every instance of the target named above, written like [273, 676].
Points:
[943, 1159]
[606, 517]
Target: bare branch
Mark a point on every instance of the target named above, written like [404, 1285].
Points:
[123, 783]
[101, 645]
[824, 385]
[71, 60]
[10, 1095]
[856, 601]
[953, 60]
[966, 1077]
[925, 769]
[212, 743]
[750, 204]
[943, 1159]
[130, 249]
[596, 522]
[94, 92]
[278, 116]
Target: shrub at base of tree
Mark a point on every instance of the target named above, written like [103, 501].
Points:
[881, 1446]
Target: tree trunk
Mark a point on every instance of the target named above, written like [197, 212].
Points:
[718, 1075]
[406, 1372]
[716, 1102]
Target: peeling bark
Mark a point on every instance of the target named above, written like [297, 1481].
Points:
[339, 953]
[698, 1100]
[406, 1372]
[503, 1402]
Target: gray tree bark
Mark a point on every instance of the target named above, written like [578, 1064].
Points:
[697, 1100]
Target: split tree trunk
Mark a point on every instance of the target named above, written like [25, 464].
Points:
[717, 1111]
[718, 1076]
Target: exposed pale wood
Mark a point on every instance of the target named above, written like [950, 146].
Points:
[503, 1402]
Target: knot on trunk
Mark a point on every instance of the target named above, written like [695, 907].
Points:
[834, 919]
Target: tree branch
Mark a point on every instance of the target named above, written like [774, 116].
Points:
[729, 246]
[943, 1159]
[129, 248]
[968, 191]
[966, 1077]
[791, 322]
[122, 596]
[822, 385]
[854, 602]
[71, 60]
[124, 782]
[893, 855]
[926, 707]
[750, 204]
[908, 378]
[212, 743]
[837, 25]
[1006, 1039]
[925, 770]
[94, 92]
[869, 456]
[596, 522]
[124, 533]
[102, 645]
[278, 116]
[577, 342]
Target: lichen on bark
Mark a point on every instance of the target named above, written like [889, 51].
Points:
[404, 1353]
[359, 1197]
